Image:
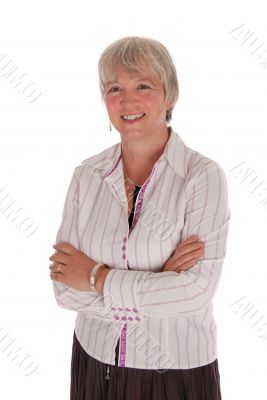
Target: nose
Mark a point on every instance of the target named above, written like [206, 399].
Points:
[128, 97]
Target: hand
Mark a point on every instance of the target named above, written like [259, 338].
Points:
[185, 256]
[75, 267]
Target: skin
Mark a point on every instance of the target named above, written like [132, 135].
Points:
[142, 144]
[76, 267]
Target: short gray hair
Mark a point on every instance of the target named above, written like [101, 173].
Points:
[127, 51]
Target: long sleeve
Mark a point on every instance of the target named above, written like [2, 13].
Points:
[66, 296]
[168, 294]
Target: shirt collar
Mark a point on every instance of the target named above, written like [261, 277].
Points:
[174, 153]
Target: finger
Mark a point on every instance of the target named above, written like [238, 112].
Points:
[192, 247]
[59, 257]
[56, 276]
[186, 250]
[57, 268]
[191, 239]
[66, 248]
[189, 255]
[184, 267]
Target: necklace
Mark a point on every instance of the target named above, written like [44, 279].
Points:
[129, 177]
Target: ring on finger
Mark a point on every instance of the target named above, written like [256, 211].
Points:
[59, 267]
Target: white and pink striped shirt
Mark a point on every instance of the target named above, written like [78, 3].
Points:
[164, 319]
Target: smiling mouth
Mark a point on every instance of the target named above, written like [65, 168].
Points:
[132, 117]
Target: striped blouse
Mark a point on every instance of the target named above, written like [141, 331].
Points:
[164, 320]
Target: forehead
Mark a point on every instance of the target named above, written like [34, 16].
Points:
[121, 72]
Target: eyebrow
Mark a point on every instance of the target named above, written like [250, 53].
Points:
[144, 79]
[138, 80]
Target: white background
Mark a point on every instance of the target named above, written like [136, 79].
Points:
[221, 112]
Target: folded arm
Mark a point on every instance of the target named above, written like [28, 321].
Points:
[168, 294]
[66, 296]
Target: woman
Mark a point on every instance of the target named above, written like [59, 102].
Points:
[130, 255]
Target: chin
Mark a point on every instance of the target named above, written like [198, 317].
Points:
[131, 129]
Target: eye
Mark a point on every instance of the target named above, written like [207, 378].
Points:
[116, 88]
[113, 89]
[144, 86]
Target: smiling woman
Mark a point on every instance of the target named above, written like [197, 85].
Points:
[142, 210]
[127, 52]
[139, 105]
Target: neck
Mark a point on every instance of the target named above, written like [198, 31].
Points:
[140, 154]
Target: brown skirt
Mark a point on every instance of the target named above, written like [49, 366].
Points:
[88, 381]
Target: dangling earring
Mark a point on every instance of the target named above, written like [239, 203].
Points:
[110, 128]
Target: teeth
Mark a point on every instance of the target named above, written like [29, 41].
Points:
[133, 116]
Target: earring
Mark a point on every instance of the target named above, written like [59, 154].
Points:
[110, 128]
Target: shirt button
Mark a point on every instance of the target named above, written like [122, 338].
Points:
[125, 239]
[123, 247]
[124, 256]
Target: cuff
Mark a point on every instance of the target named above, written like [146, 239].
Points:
[120, 297]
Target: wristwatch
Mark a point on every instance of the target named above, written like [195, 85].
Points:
[92, 276]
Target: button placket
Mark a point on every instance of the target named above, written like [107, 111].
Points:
[124, 255]
[126, 314]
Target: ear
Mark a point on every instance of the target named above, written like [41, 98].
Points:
[168, 104]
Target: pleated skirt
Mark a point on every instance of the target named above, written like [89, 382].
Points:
[94, 380]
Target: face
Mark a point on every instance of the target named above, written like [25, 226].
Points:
[136, 94]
